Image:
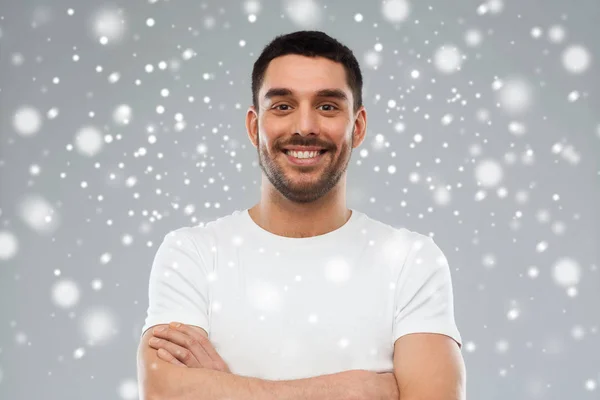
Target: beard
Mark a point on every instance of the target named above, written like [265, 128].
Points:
[304, 184]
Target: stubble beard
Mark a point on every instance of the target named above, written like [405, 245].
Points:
[290, 182]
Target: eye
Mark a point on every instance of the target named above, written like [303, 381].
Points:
[329, 105]
[277, 107]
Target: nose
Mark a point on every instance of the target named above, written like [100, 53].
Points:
[307, 121]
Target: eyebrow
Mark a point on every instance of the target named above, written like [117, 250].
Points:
[333, 93]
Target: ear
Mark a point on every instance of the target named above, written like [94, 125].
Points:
[360, 127]
[252, 125]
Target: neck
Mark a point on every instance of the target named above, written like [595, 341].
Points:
[282, 217]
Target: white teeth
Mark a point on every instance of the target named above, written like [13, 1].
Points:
[303, 154]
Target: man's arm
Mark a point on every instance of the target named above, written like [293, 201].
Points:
[160, 380]
[429, 366]
[206, 384]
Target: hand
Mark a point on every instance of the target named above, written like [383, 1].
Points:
[381, 386]
[184, 346]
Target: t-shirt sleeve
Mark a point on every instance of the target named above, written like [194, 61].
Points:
[178, 287]
[423, 294]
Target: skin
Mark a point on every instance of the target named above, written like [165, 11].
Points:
[303, 201]
[188, 346]
[296, 201]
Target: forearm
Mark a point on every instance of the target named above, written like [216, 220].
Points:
[207, 384]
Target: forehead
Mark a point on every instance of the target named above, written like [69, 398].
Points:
[304, 75]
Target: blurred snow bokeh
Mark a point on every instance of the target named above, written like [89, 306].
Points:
[123, 120]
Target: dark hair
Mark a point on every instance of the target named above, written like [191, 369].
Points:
[310, 44]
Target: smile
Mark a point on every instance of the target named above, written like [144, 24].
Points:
[304, 161]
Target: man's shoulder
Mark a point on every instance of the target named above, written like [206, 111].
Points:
[208, 230]
[398, 232]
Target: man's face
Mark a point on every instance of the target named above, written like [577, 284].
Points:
[303, 117]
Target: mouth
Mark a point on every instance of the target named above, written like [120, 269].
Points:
[305, 161]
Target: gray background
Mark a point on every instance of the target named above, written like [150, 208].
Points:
[509, 186]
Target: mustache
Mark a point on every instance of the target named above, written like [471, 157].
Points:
[323, 146]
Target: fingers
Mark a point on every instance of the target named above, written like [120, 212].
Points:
[180, 353]
[218, 362]
[168, 357]
[188, 347]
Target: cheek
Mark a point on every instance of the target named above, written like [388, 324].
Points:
[272, 124]
[268, 144]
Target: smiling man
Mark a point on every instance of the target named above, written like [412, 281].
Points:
[299, 296]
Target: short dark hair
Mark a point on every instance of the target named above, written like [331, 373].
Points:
[310, 44]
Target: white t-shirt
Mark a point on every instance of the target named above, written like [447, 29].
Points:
[288, 308]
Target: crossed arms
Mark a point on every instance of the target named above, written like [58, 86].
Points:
[427, 366]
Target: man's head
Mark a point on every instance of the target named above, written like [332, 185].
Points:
[306, 91]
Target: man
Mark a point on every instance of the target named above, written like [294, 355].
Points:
[301, 297]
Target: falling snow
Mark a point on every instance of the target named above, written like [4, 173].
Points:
[65, 293]
[27, 121]
[395, 10]
[576, 59]
[448, 59]
[304, 14]
[108, 25]
[123, 121]
[9, 245]
[514, 95]
[98, 326]
[88, 141]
